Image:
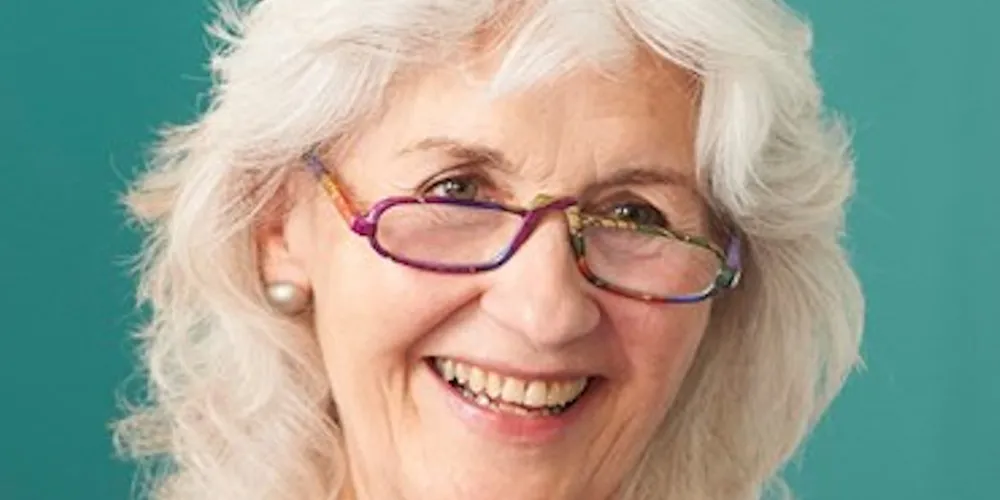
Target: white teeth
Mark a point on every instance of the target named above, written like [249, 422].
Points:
[447, 369]
[494, 384]
[571, 390]
[482, 400]
[534, 395]
[511, 394]
[554, 396]
[461, 373]
[477, 380]
[513, 391]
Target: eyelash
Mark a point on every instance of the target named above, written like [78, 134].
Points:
[624, 199]
[456, 174]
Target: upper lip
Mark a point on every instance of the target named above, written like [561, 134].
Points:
[508, 370]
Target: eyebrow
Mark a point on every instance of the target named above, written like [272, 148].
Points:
[478, 153]
[473, 153]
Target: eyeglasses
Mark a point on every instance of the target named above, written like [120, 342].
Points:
[449, 235]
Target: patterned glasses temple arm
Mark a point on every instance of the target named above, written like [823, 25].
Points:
[734, 263]
[337, 194]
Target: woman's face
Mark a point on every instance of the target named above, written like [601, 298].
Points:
[531, 333]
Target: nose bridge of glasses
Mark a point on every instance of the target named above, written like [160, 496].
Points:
[544, 202]
[540, 207]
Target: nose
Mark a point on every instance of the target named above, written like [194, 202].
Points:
[539, 293]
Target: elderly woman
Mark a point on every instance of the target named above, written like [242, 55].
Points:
[415, 249]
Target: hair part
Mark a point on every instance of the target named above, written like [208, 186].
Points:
[238, 404]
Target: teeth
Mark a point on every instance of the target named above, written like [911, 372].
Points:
[494, 384]
[482, 400]
[447, 369]
[477, 380]
[513, 391]
[554, 395]
[511, 394]
[461, 373]
[535, 394]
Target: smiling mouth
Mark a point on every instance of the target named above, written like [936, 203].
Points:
[507, 394]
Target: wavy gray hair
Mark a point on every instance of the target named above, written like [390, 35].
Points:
[238, 404]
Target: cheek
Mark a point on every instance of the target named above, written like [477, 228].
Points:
[373, 314]
[355, 298]
[659, 344]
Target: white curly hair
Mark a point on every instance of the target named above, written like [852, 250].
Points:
[238, 405]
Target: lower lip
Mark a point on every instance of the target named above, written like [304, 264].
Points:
[522, 429]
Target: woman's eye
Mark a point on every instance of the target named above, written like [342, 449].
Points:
[639, 213]
[459, 188]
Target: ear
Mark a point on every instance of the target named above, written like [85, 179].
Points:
[276, 258]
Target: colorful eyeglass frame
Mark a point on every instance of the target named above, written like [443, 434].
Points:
[365, 224]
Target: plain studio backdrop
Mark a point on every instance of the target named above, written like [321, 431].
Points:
[84, 85]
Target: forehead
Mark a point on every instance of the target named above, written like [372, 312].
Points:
[580, 123]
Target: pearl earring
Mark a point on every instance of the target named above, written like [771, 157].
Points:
[288, 298]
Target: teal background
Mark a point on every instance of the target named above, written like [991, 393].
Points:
[84, 85]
